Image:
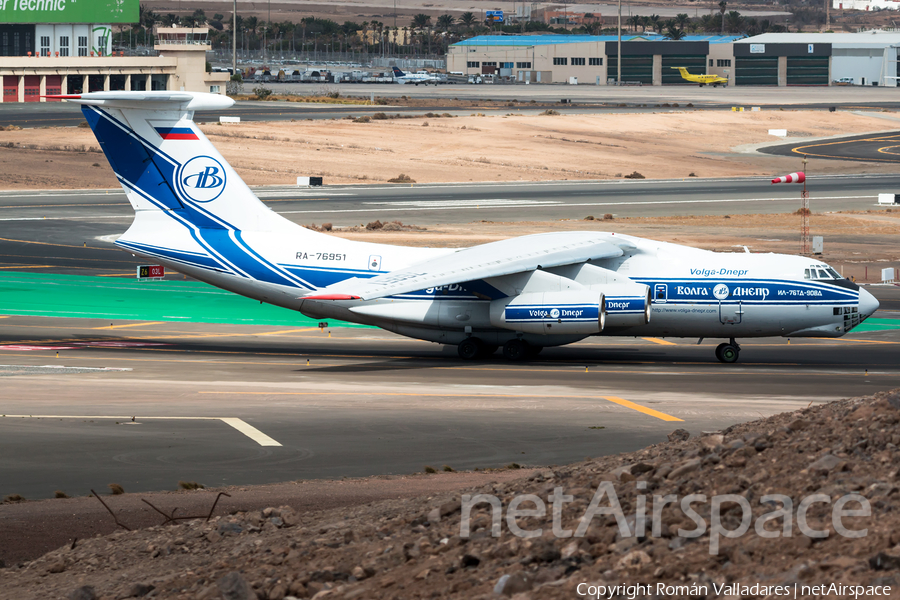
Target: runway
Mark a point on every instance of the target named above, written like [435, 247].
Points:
[148, 404]
[492, 100]
[71, 232]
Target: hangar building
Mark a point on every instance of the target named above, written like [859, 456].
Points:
[591, 59]
[868, 58]
[776, 59]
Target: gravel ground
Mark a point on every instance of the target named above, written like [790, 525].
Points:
[418, 547]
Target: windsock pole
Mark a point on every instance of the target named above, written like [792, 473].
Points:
[800, 177]
[804, 215]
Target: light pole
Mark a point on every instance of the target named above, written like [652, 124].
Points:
[619, 47]
[266, 33]
[234, 40]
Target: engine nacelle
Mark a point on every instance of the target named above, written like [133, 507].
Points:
[627, 304]
[575, 312]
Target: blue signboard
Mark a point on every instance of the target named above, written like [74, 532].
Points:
[494, 16]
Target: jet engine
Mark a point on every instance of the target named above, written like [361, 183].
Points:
[627, 304]
[568, 312]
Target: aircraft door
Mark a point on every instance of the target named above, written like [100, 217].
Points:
[731, 312]
[660, 293]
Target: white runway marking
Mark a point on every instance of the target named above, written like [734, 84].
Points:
[249, 430]
[435, 205]
[466, 203]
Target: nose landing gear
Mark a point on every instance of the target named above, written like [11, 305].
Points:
[728, 352]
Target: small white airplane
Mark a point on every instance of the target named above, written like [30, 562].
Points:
[415, 78]
[193, 213]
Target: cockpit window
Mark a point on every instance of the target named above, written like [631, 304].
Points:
[821, 273]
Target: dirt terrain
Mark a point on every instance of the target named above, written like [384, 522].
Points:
[424, 547]
[471, 148]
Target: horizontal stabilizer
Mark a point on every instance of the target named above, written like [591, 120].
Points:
[155, 100]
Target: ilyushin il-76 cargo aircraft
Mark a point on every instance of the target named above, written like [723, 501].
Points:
[193, 213]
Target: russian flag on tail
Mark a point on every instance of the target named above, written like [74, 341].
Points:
[798, 177]
[176, 133]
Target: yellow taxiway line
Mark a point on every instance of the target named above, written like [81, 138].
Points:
[29, 267]
[659, 341]
[642, 409]
[143, 324]
[613, 399]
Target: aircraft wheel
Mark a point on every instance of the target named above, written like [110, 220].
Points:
[727, 353]
[488, 349]
[469, 348]
[515, 350]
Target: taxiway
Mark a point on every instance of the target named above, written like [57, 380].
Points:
[88, 402]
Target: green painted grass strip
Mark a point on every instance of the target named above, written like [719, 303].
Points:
[878, 325]
[77, 296]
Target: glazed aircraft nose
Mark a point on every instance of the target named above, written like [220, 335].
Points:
[867, 303]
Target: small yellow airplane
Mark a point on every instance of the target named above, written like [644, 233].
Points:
[714, 80]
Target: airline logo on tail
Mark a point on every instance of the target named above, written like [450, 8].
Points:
[398, 72]
[202, 179]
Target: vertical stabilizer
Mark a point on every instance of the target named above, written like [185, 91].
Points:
[165, 163]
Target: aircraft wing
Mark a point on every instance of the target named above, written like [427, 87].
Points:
[496, 259]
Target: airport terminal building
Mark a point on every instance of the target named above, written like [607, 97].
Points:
[776, 59]
[49, 48]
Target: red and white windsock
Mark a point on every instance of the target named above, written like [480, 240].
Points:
[792, 178]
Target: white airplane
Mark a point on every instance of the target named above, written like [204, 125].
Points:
[415, 78]
[194, 214]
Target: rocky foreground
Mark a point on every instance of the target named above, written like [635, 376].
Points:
[846, 452]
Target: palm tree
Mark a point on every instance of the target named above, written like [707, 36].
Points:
[421, 21]
[592, 28]
[147, 19]
[673, 33]
[636, 21]
[708, 23]
[445, 22]
[722, 8]
[251, 23]
[468, 19]
[734, 22]
[682, 20]
[656, 22]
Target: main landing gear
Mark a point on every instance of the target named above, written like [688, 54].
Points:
[516, 350]
[472, 348]
[728, 352]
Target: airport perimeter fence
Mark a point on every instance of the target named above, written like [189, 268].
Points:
[319, 57]
[866, 273]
